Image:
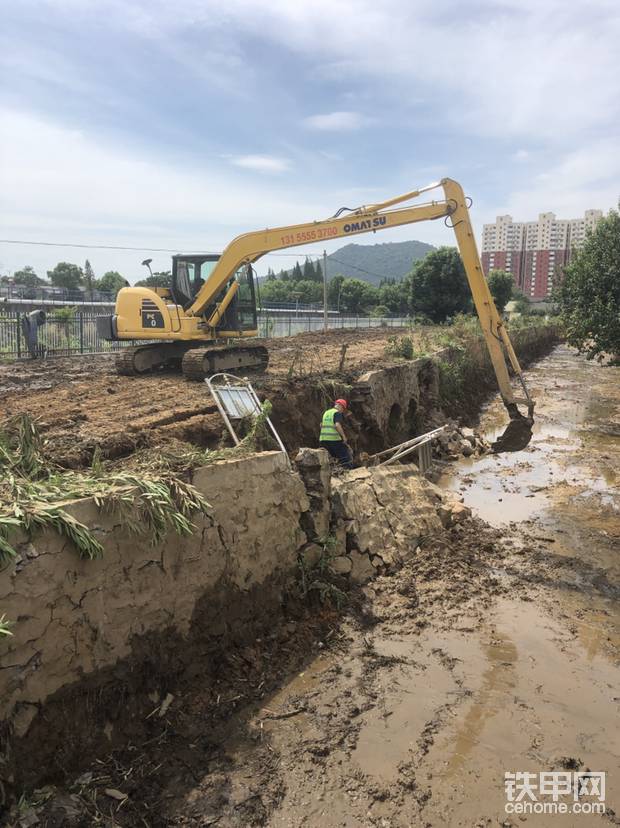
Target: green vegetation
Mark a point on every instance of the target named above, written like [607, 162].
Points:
[5, 626]
[71, 277]
[66, 275]
[402, 347]
[438, 286]
[589, 295]
[162, 279]
[111, 282]
[27, 277]
[32, 492]
[501, 285]
[314, 578]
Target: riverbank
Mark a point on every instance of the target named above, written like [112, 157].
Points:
[492, 650]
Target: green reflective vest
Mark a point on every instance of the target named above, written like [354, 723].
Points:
[328, 427]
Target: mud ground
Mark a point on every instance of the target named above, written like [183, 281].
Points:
[494, 649]
[81, 404]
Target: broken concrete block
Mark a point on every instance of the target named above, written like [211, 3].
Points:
[460, 512]
[362, 570]
[467, 450]
[342, 565]
[445, 514]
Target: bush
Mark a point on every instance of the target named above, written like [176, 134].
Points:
[402, 347]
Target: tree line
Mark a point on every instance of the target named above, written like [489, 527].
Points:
[73, 277]
[436, 288]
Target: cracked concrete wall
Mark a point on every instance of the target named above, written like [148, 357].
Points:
[75, 617]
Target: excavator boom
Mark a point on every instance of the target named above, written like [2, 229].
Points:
[180, 326]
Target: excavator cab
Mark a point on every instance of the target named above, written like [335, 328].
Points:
[189, 274]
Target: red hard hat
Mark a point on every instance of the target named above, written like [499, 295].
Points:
[343, 403]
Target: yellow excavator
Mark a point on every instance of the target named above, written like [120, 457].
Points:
[205, 318]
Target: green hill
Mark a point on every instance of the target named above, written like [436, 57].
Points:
[373, 262]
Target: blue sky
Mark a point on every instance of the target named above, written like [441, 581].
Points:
[179, 125]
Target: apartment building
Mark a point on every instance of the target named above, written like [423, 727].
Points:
[534, 251]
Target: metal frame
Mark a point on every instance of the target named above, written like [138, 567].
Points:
[421, 444]
[236, 401]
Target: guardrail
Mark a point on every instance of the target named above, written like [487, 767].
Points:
[68, 334]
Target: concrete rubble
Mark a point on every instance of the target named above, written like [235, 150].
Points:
[458, 441]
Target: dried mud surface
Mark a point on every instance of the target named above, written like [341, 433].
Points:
[493, 649]
[82, 404]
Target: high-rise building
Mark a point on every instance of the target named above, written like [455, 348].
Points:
[534, 251]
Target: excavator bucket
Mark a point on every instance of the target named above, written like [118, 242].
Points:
[516, 436]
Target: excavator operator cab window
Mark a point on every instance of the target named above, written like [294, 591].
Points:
[246, 307]
[241, 313]
[189, 273]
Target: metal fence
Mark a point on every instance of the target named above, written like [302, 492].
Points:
[45, 293]
[67, 334]
[271, 325]
[61, 335]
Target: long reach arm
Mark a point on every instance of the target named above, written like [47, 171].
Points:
[249, 247]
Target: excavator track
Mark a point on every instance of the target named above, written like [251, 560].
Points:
[142, 359]
[201, 362]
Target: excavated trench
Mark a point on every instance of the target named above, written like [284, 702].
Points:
[254, 605]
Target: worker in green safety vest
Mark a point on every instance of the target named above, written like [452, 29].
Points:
[332, 435]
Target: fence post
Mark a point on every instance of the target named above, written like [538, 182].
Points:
[19, 334]
[81, 322]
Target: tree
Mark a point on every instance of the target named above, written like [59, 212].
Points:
[111, 282]
[309, 272]
[318, 271]
[334, 287]
[297, 274]
[393, 295]
[438, 286]
[161, 278]
[89, 278]
[304, 291]
[66, 275]
[589, 294]
[271, 276]
[356, 296]
[501, 285]
[522, 302]
[26, 276]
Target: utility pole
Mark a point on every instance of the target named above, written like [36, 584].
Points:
[325, 290]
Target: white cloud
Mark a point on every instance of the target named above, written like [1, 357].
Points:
[60, 184]
[521, 155]
[65, 185]
[574, 182]
[502, 68]
[261, 163]
[336, 121]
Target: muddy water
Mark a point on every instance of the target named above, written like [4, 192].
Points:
[565, 485]
[559, 655]
[528, 681]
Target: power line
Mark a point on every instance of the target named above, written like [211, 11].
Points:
[355, 267]
[119, 247]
